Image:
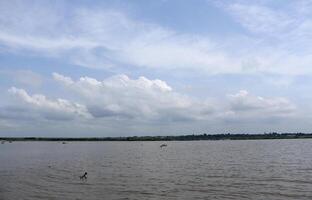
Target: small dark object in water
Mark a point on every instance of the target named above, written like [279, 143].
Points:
[84, 176]
[163, 145]
[63, 142]
[2, 142]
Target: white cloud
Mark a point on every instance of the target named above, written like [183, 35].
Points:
[59, 109]
[105, 38]
[142, 99]
[243, 104]
[102, 38]
[120, 96]
[140, 105]
[261, 19]
[65, 80]
[278, 35]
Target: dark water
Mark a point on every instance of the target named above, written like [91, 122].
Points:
[271, 169]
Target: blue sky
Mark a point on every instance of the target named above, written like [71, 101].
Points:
[118, 68]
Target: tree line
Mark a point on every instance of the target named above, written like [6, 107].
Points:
[227, 136]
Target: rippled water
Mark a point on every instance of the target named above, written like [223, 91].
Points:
[262, 169]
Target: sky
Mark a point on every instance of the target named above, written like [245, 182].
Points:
[163, 67]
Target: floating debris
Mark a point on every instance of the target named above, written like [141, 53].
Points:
[163, 145]
[84, 176]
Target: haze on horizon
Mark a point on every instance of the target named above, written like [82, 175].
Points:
[166, 67]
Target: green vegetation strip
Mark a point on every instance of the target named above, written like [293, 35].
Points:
[171, 138]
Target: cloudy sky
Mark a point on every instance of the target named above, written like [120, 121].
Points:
[163, 67]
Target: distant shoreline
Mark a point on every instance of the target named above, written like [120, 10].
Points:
[170, 138]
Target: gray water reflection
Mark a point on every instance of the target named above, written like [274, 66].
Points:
[266, 169]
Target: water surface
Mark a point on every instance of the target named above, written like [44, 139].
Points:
[258, 169]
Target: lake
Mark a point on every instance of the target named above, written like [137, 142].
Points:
[253, 169]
